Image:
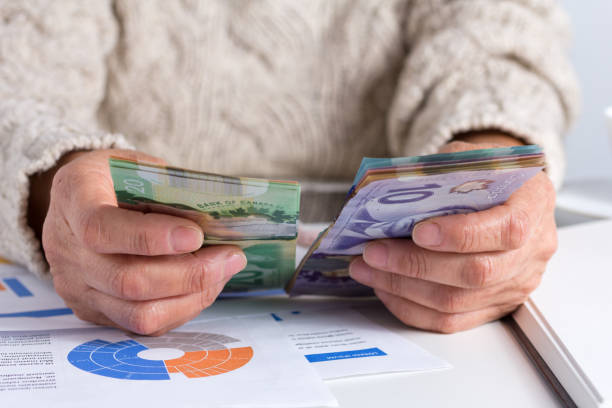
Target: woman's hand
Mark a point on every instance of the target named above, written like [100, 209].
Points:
[142, 272]
[460, 271]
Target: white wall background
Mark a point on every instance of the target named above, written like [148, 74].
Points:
[589, 144]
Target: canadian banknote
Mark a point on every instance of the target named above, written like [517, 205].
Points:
[260, 216]
[390, 196]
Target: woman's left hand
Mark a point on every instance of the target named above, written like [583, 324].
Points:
[460, 271]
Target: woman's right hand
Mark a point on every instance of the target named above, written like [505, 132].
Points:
[142, 272]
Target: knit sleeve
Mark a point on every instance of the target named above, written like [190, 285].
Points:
[481, 64]
[52, 80]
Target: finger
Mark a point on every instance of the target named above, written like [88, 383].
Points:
[87, 180]
[176, 324]
[82, 310]
[413, 314]
[98, 318]
[152, 316]
[147, 278]
[92, 316]
[457, 146]
[89, 206]
[444, 298]
[504, 227]
[307, 237]
[111, 230]
[404, 257]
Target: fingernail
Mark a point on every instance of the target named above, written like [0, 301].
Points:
[235, 262]
[360, 272]
[186, 239]
[375, 254]
[427, 234]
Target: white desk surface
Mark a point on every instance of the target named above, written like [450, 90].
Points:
[490, 367]
[574, 299]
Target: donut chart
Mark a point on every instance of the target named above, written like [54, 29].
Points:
[205, 354]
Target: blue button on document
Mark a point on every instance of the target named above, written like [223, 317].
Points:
[341, 355]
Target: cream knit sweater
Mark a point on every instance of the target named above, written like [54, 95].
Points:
[280, 88]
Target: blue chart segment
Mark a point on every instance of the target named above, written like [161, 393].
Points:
[39, 313]
[117, 360]
[204, 354]
[17, 287]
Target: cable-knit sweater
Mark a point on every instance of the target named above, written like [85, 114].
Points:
[279, 88]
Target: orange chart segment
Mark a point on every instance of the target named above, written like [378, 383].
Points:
[205, 363]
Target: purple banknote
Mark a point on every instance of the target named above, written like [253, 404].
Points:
[390, 208]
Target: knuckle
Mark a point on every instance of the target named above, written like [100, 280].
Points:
[467, 237]
[395, 283]
[447, 323]
[516, 230]
[413, 264]
[142, 242]
[531, 285]
[90, 225]
[480, 271]
[144, 318]
[450, 301]
[127, 283]
[207, 298]
[198, 280]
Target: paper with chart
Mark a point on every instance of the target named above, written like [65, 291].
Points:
[344, 343]
[237, 362]
[28, 302]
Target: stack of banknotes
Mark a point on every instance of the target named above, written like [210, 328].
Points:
[260, 216]
[390, 196]
[387, 198]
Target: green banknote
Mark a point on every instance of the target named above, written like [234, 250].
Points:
[260, 216]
